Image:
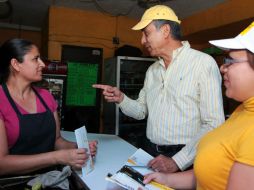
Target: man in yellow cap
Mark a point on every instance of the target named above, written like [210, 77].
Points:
[181, 94]
[225, 156]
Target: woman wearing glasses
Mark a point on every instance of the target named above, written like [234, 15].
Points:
[225, 156]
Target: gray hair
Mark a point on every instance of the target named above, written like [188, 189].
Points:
[174, 26]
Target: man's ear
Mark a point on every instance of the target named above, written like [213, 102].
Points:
[15, 64]
[166, 30]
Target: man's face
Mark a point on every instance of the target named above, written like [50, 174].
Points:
[153, 39]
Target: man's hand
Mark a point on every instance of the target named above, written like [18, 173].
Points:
[163, 164]
[111, 94]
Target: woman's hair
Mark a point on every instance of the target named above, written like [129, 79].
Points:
[12, 49]
[174, 28]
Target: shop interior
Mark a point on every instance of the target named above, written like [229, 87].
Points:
[88, 41]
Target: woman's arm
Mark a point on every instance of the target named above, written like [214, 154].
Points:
[60, 142]
[21, 164]
[179, 180]
[241, 177]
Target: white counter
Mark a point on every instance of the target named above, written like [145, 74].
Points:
[112, 153]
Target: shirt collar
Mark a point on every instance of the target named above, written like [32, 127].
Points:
[249, 104]
[186, 44]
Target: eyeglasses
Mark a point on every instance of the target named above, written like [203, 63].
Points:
[231, 61]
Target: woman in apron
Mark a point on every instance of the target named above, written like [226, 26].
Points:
[30, 138]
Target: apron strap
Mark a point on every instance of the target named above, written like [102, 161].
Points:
[41, 99]
[6, 91]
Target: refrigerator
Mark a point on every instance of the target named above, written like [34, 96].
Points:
[127, 74]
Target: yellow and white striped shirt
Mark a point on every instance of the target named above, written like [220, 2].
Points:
[182, 102]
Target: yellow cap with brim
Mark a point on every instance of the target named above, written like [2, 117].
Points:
[245, 40]
[157, 12]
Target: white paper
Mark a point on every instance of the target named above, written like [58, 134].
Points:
[82, 142]
[139, 158]
[124, 181]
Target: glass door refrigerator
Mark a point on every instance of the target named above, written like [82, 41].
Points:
[128, 74]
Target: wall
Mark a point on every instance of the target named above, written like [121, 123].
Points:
[7, 33]
[222, 21]
[84, 28]
[87, 28]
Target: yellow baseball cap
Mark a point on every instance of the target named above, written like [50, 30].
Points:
[155, 13]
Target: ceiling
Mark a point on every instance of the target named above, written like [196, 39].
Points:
[32, 13]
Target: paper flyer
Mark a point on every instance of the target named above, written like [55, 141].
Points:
[130, 176]
[82, 142]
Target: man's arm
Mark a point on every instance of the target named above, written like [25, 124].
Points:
[211, 111]
[136, 109]
[133, 108]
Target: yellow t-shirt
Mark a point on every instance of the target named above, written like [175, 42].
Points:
[218, 150]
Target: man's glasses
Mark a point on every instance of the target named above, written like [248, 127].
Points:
[232, 61]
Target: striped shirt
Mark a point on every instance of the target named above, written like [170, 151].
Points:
[182, 102]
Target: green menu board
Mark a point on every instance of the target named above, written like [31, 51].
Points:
[80, 78]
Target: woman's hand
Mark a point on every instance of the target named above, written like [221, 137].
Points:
[179, 180]
[76, 158]
[93, 147]
[159, 177]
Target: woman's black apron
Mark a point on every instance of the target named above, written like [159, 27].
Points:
[37, 131]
